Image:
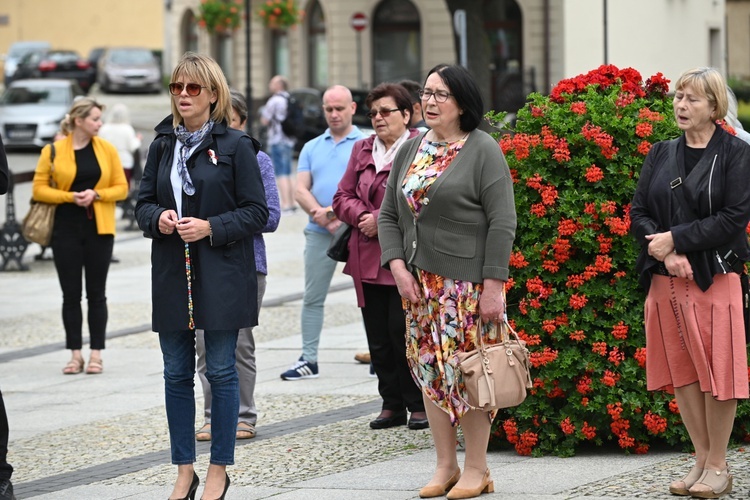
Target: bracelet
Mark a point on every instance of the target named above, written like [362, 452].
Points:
[210, 233]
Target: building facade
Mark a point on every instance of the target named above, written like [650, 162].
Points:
[530, 44]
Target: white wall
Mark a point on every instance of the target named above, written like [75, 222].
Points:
[669, 36]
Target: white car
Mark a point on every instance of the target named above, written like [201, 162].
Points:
[31, 110]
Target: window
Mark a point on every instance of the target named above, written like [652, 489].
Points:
[397, 48]
[317, 54]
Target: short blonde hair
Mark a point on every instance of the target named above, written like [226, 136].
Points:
[80, 109]
[709, 83]
[204, 70]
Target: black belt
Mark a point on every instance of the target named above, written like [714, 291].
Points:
[660, 269]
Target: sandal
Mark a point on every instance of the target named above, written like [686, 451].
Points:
[245, 431]
[95, 366]
[682, 486]
[204, 433]
[712, 484]
[74, 367]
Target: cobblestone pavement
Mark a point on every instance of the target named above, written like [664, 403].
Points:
[313, 441]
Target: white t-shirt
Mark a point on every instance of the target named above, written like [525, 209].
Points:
[124, 138]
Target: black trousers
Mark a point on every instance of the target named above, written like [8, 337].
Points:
[77, 247]
[385, 326]
[6, 470]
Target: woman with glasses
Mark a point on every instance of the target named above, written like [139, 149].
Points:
[357, 203]
[89, 180]
[201, 200]
[446, 229]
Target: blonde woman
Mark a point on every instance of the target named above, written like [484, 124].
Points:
[692, 255]
[201, 200]
[89, 180]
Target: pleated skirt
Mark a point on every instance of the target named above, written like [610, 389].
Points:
[695, 336]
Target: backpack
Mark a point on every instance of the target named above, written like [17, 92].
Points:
[293, 124]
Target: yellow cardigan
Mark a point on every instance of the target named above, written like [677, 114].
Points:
[111, 186]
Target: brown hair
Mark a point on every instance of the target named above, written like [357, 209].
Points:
[398, 92]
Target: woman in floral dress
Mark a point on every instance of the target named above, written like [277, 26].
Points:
[446, 230]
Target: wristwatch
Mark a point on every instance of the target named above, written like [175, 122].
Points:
[329, 214]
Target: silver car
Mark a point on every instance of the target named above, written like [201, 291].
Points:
[31, 110]
[128, 69]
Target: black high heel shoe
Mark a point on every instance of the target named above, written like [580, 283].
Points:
[193, 488]
[226, 487]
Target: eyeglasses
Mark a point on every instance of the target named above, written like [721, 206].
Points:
[440, 96]
[193, 89]
[385, 113]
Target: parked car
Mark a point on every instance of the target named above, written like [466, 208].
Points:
[67, 64]
[16, 51]
[94, 55]
[311, 100]
[129, 69]
[31, 110]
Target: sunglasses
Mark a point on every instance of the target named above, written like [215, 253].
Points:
[193, 89]
[385, 113]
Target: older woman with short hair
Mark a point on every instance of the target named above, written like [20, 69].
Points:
[446, 230]
[201, 200]
[689, 214]
[357, 202]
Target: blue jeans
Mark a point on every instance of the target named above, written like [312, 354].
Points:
[319, 270]
[178, 351]
[281, 157]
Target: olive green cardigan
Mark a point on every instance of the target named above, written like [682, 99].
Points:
[467, 223]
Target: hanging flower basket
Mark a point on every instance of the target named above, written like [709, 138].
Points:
[280, 14]
[220, 16]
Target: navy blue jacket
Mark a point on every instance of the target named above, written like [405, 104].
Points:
[230, 195]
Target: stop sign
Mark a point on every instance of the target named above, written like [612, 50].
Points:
[358, 21]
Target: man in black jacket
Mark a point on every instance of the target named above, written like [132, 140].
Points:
[6, 470]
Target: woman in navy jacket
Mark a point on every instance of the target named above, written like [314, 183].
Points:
[201, 199]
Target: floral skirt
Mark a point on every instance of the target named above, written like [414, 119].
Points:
[441, 324]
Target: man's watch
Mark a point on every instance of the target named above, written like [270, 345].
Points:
[330, 215]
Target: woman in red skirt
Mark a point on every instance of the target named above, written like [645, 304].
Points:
[689, 215]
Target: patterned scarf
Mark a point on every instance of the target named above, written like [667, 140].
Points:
[188, 140]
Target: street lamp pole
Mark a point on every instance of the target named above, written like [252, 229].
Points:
[248, 85]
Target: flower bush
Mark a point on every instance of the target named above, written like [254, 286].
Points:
[573, 296]
[220, 16]
[280, 14]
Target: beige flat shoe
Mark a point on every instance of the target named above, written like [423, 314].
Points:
[74, 367]
[95, 366]
[204, 433]
[245, 431]
[440, 490]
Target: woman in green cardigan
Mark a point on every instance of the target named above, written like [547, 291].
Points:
[446, 230]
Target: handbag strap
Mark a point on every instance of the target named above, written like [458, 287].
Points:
[52, 182]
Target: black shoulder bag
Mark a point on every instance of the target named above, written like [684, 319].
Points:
[727, 255]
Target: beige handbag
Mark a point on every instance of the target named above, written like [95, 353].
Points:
[496, 376]
[38, 223]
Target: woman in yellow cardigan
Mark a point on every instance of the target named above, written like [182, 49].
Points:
[89, 179]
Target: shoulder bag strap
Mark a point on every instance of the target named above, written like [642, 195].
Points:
[52, 182]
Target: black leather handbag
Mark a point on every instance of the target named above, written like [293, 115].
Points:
[339, 248]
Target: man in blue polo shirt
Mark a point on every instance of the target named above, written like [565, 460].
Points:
[320, 167]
